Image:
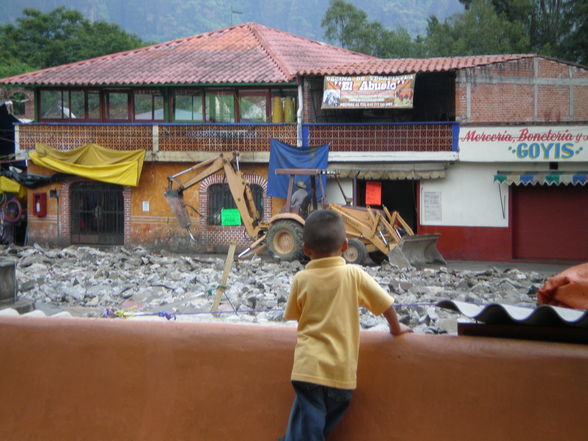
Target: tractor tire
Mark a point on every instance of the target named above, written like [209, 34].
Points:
[284, 240]
[355, 252]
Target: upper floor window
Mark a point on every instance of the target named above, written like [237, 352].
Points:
[220, 106]
[254, 106]
[228, 105]
[188, 106]
[148, 105]
[283, 105]
[69, 104]
[117, 105]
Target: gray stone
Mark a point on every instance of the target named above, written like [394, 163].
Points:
[77, 277]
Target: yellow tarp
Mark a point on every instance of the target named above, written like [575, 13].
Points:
[7, 185]
[94, 162]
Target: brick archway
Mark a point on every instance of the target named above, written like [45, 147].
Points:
[217, 237]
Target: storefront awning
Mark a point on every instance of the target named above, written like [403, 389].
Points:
[551, 177]
[94, 162]
[389, 171]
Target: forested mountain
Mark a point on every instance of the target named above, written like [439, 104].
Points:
[162, 20]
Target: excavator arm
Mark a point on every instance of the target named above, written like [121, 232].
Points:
[239, 187]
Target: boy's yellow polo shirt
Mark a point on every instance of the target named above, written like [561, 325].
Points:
[324, 298]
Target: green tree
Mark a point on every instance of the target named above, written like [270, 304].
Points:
[350, 27]
[478, 31]
[61, 36]
[545, 21]
[574, 45]
[11, 65]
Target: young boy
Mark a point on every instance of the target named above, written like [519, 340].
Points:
[325, 298]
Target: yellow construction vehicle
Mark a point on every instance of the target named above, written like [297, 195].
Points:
[283, 231]
[380, 234]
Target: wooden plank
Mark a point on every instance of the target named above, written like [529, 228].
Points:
[223, 283]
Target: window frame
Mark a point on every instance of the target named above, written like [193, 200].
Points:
[257, 192]
[130, 108]
[231, 92]
[66, 101]
[266, 93]
[193, 93]
[153, 93]
[167, 101]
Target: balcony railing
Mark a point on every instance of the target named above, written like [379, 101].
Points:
[391, 137]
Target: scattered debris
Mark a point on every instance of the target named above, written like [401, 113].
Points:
[136, 282]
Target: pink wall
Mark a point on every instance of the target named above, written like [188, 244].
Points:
[116, 380]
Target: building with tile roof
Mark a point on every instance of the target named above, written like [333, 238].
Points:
[249, 53]
[443, 144]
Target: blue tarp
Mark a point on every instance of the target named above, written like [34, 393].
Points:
[286, 156]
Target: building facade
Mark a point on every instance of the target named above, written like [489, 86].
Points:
[519, 189]
[455, 162]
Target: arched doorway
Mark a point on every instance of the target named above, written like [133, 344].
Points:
[97, 214]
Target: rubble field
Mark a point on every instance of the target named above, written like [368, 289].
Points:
[136, 283]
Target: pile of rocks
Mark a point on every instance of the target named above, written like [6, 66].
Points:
[92, 282]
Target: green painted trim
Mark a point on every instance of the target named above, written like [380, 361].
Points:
[165, 94]
[36, 105]
[151, 86]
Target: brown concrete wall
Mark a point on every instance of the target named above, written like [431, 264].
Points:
[157, 226]
[98, 379]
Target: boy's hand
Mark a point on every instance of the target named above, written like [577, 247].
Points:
[402, 329]
[396, 328]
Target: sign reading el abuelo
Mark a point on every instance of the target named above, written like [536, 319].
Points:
[524, 144]
[368, 92]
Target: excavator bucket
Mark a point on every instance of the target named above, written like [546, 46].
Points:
[417, 250]
[176, 203]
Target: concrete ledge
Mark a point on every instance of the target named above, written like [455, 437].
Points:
[98, 379]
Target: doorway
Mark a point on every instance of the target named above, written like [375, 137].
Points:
[97, 214]
[549, 222]
[398, 195]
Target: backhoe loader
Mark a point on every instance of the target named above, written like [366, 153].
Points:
[282, 234]
[380, 234]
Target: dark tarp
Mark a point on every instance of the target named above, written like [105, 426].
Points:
[287, 156]
[7, 122]
[30, 180]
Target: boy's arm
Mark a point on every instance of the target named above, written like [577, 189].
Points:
[396, 328]
[292, 311]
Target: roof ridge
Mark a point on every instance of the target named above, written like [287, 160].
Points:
[267, 48]
[257, 28]
[318, 42]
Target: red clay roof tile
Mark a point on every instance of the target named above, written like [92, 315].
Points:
[247, 53]
[412, 65]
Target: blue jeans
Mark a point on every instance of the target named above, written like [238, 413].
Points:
[316, 411]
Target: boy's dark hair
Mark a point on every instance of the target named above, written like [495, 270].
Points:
[324, 231]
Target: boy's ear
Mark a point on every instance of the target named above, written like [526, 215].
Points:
[345, 246]
[306, 249]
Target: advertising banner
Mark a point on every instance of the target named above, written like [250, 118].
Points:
[368, 92]
[524, 144]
